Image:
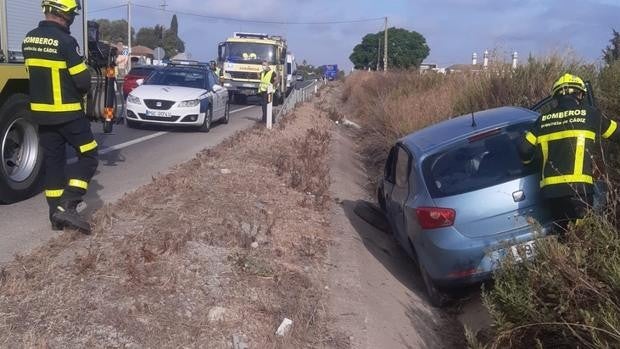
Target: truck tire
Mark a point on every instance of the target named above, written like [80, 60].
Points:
[108, 127]
[21, 157]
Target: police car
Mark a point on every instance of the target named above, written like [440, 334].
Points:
[181, 94]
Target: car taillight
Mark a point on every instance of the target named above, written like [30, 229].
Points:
[435, 217]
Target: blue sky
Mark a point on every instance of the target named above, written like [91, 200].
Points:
[454, 29]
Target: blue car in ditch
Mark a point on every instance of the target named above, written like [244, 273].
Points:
[458, 198]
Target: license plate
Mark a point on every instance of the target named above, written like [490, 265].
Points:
[525, 249]
[248, 85]
[159, 114]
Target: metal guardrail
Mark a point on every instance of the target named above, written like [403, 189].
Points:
[296, 97]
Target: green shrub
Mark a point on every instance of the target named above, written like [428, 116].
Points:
[609, 90]
[568, 297]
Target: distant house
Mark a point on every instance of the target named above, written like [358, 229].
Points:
[428, 67]
[464, 68]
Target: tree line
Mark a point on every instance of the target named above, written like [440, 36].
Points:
[157, 36]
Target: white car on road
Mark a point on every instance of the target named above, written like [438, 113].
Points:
[179, 95]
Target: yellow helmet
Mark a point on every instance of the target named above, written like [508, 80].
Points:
[568, 84]
[63, 6]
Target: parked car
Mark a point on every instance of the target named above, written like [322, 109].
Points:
[184, 94]
[135, 74]
[458, 198]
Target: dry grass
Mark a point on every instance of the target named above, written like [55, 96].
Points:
[392, 105]
[165, 255]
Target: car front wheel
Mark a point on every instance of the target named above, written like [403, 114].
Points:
[226, 118]
[206, 124]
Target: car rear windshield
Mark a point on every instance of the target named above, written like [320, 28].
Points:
[481, 162]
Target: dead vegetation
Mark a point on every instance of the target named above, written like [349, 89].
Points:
[239, 227]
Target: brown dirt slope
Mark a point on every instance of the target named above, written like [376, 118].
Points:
[225, 245]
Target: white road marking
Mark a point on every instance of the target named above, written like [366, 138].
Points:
[142, 139]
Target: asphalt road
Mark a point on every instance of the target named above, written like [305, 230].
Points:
[129, 158]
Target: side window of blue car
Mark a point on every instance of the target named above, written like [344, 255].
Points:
[403, 164]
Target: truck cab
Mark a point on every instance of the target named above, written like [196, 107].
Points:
[240, 58]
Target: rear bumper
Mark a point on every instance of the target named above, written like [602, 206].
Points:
[460, 261]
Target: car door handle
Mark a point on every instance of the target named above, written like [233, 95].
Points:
[518, 196]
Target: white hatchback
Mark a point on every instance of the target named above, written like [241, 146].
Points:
[179, 95]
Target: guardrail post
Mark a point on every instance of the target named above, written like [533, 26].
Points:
[270, 112]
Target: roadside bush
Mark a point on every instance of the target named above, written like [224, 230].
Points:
[609, 90]
[524, 86]
[568, 297]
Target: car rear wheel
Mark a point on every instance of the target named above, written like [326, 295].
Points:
[436, 297]
[206, 124]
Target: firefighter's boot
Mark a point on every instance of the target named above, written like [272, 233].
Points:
[66, 215]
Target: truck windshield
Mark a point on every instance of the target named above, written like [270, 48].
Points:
[243, 52]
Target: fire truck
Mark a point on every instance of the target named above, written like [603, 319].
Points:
[21, 157]
[240, 59]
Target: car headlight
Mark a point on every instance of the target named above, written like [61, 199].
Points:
[189, 104]
[133, 99]
[227, 76]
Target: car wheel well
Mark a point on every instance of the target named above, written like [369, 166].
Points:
[414, 254]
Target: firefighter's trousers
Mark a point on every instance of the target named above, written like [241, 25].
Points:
[67, 183]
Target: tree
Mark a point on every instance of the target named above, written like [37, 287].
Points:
[612, 52]
[150, 37]
[114, 31]
[406, 49]
[174, 25]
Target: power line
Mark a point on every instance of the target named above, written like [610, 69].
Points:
[107, 8]
[230, 19]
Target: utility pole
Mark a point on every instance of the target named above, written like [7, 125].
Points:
[128, 35]
[379, 54]
[385, 46]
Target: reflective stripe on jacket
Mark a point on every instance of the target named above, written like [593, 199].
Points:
[567, 138]
[58, 75]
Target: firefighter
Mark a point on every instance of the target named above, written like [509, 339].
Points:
[566, 138]
[54, 61]
[265, 89]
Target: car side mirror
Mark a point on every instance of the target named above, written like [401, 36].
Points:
[140, 82]
[217, 88]
[300, 78]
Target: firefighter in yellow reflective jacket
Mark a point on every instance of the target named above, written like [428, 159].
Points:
[567, 139]
[59, 80]
[266, 88]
